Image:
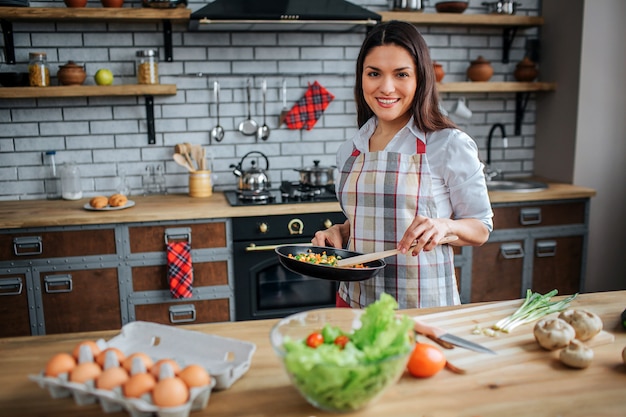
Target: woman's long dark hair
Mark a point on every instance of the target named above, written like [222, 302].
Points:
[425, 108]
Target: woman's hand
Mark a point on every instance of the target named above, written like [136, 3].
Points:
[426, 233]
[335, 236]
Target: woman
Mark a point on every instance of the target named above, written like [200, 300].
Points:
[408, 177]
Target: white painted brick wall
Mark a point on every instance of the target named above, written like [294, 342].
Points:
[106, 136]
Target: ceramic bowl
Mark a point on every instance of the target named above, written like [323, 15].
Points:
[75, 3]
[14, 79]
[451, 6]
[112, 3]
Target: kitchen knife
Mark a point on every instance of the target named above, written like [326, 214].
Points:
[427, 330]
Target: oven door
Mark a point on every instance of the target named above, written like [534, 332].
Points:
[265, 289]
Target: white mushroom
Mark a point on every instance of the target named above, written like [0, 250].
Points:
[576, 355]
[586, 323]
[554, 333]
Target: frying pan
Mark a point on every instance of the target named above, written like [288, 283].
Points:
[327, 272]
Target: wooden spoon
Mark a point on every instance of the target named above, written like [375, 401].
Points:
[182, 161]
[183, 149]
[369, 257]
[196, 155]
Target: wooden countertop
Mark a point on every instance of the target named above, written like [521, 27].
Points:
[537, 385]
[44, 213]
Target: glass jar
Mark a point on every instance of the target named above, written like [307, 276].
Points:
[38, 71]
[147, 67]
[70, 182]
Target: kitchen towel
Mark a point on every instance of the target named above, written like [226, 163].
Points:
[306, 112]
[179, 269]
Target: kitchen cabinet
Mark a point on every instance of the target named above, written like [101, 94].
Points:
[149, 297]
[14, 309]
[539, 246]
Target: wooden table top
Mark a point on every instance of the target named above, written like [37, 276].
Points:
[44, 213]
[536, 384]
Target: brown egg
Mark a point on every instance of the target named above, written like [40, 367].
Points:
[112, 378]
[59, 364]
[147, 361]
[138, 385]
[156, 368]
[95, 349]
[195, 376]
[84, 372]
[100, 359]
[170, 392]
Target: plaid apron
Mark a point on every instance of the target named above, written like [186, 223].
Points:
[381, 193]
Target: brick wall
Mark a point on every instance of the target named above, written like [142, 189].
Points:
[107, 136]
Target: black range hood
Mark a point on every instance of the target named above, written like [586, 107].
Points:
[282, 15]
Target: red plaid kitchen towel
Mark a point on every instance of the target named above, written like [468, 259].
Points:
[308, 109]
[179, 269]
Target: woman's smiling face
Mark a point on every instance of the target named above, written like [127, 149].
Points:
[389, 82]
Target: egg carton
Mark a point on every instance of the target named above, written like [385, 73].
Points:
[225, 359]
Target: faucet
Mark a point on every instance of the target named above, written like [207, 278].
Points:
[491, 173]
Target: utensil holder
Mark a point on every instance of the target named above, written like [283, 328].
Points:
[200, 184]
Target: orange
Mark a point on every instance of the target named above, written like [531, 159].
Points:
[426, 360]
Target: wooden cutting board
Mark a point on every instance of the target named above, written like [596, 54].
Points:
[512, 348]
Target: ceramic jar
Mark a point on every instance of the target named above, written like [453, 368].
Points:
[71, 74]
[439, 72]
[480, 70]
[525, 70]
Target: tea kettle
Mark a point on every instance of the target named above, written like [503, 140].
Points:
[254, 179]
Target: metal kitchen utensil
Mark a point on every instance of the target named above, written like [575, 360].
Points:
[327, 272]
[182, 161]
[285, 110]
[248, 127]
[368, 257]
[264, 131]
[438, 333]
[217, 133]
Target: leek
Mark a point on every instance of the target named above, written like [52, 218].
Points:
[534, 307]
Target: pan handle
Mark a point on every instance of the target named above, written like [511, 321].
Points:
[254, 248]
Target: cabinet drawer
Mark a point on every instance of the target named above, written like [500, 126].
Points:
[60, 244]
[205, 274]
[497, 271]
[558, 264]
[204, 311]
[14, 306]
[80, 300]
[538, 215]
[152, 238]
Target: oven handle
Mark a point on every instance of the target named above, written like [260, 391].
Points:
[254, 248]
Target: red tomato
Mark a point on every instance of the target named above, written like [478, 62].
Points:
[341, 341]
[426, 360]
[315, 339]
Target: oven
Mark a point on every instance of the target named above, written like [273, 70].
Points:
[263, 287]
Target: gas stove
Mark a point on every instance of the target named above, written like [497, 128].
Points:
[288, 193]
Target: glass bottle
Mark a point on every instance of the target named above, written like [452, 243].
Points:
[122, 185]
[38, 71]
[147, 67]
[51, 182]
[70, 182]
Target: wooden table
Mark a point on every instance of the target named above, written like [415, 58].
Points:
[537, 385]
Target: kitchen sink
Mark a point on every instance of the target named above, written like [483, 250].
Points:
[516, 186]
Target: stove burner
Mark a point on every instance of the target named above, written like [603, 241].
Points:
[248, 195]
[288, 193]
[299, 191]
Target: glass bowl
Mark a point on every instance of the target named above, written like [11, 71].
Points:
[336, 383]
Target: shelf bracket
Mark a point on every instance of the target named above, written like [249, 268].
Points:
[9, 46]
[521, 100]
[150, 120]
[508, 34]
[167, 40]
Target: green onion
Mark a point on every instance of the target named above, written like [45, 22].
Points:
[534, 307]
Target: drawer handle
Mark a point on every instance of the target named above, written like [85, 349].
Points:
[58, 284]
[183, 313]
[529, 216]
[511, 250]
[545, 248]
[178, 233]
[27, 246]
[11, 286]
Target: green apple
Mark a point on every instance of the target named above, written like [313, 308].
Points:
[103, 77]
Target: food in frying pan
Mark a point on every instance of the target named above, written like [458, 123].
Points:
[319, 259]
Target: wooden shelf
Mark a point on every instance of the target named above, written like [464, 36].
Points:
[94, 13]
[89, 91]
[461, 19]
[494, 87]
